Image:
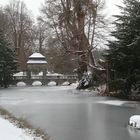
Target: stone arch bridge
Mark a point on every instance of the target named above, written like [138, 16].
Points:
[45, 79]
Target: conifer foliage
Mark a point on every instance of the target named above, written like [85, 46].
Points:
[124, 52]
[7, 63]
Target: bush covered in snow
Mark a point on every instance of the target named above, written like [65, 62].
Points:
[134, 121]
[52, 83]
[21, 84]
[36, 83]
[66, 83]
[86, 81]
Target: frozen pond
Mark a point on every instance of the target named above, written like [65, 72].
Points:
[67, 114]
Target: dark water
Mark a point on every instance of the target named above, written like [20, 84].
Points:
[67, 114]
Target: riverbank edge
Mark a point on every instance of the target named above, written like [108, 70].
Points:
[123, 97]
[91, 92]
[24, 124]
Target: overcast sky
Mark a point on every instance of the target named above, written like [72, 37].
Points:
[34, 5]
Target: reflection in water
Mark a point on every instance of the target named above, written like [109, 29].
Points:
[133, 132]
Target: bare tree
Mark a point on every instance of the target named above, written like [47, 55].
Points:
[58, 59]
[4, 24]
[41, 36]
[21, 30]
[79, 26]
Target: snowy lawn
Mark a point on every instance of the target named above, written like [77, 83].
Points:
[10, 132]
[134, 121]
[13, 129]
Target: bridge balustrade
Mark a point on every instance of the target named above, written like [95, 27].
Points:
[37, 77]
[19, 77]
[46, 77]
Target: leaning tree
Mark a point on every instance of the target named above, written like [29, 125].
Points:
[79, 26]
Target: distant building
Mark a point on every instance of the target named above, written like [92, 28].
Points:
[37, 63]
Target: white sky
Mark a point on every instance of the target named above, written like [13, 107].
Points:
[34, 5]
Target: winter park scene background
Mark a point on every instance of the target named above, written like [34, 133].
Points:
[70, 70]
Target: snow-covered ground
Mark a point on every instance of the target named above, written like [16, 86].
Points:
[134, 121]
[9, 131]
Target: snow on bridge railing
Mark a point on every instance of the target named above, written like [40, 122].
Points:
[62, 77]
[36, 77]
[19, 77]
[46, 77]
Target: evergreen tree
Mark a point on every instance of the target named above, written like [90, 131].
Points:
[124, 52]
[7, 62]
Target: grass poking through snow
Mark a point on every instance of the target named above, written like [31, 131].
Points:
[24, 124]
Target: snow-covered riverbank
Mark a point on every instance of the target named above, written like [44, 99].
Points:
[9, 131]
[12, 128]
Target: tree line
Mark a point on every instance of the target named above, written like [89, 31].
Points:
[26, 34]
[70, 32]
[123, 55]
